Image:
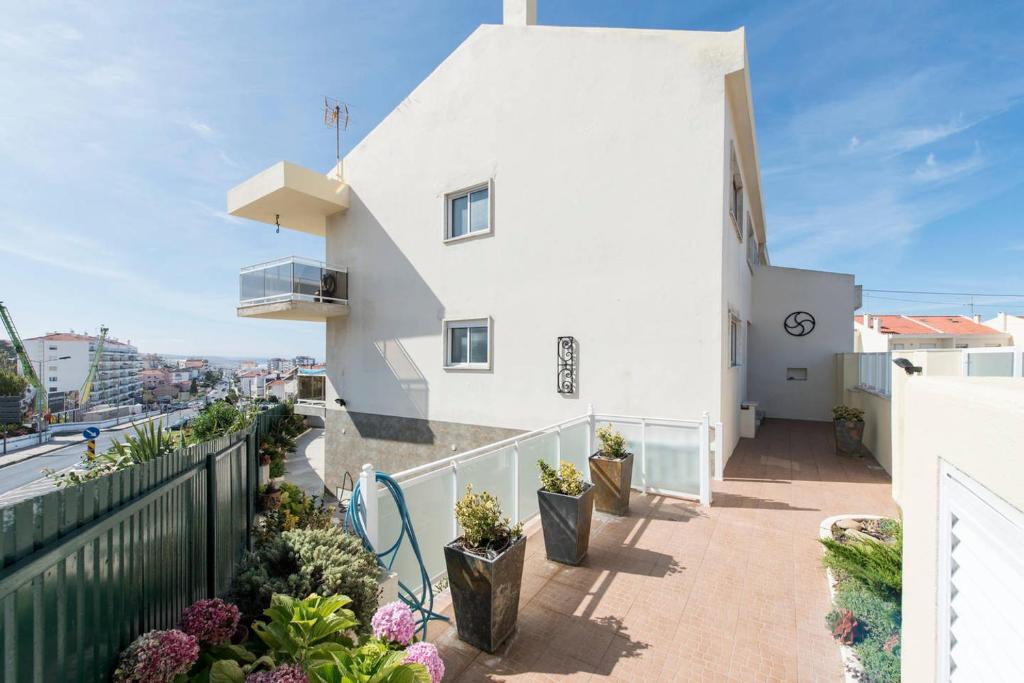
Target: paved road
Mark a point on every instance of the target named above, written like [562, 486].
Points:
[30, 471]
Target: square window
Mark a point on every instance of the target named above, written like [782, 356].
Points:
[468, 344]
[468, 212]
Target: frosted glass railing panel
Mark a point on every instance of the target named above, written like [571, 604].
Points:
[493, 473]
[996, 364]
[432, 510]
[673, 458]
[574, 447]
[631, 431]
[530, 451]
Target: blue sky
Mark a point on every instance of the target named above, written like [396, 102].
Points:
[891, 142]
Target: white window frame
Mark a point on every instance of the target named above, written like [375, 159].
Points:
[480, 321]
[735, 192]
[735, 340]
[449, 197]
[751, 238]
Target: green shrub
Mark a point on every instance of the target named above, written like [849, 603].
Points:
[566, 480]
[11, 384]
[881, 665]
[613, 444]
[305, 561]
[847, 413]
[216, 420]
[876, 565]
[483, 527]
[306, 631]
[879, 649]
[297, 511]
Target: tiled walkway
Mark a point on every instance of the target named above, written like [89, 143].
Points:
[676, 593]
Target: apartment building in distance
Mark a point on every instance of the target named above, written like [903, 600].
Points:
[561, 189]
[63, 359]
[1010, 324]
[874, 333]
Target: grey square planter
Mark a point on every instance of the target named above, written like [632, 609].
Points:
[565, 521]
[612, 479]
[849, 437]
[485, 593]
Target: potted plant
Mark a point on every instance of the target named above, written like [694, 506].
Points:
[566, 505]
[270, 497]
[264, 467]
[485, 571]
[611, 470]
[849, 429]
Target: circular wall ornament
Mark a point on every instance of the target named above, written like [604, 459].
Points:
[799, 323]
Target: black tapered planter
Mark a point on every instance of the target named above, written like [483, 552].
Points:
[612, 478]
[565, 521]
[485, 593]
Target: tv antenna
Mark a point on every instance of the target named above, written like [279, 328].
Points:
[336, 117]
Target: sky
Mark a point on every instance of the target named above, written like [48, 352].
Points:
[891, 142]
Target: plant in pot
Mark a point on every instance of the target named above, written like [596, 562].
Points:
[270, 497]
[849, 430]
[485, 571]
[566, 505]
[611, 470]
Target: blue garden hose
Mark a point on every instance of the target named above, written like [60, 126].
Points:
[421, 604]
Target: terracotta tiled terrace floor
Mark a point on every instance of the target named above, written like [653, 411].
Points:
[678, 593]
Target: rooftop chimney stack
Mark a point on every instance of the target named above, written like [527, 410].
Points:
[877, 324]
[977, 318]
[519, 12]
[867, 320]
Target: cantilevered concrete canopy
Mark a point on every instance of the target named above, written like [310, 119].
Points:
[302, 198]
[292, 309]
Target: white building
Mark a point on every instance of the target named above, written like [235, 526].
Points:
[548, 182]
[1012, 325]
[62, 360]
[873, 333]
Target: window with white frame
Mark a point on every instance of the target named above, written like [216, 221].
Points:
[735, 340]
[468, 212]
[736, 198]
[467, 344]
[752, 247]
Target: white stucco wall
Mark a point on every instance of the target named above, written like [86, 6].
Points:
[606, 152]
[976, 425]
[71, 372]
[777, 292]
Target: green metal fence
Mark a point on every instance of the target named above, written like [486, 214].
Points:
[84, 570]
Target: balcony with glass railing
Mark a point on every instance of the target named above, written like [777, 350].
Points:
[293, 288]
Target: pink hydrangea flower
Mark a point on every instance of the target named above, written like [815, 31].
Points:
[211, 621]
[394, 622]
[426, 654]
[157, 657]
[288, 673]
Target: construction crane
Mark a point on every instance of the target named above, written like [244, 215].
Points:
[26, 363]
[83, 395]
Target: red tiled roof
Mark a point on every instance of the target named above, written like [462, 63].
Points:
[928, 324]
[63, 336]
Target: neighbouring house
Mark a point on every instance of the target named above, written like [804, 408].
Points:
[284, 388]
[63, 359]
[577, 220]
[1009, 323]
[154, 378]
[875, 333]
[181, 376]
[252, 383]
[303, 361]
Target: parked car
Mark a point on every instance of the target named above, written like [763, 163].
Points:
[179, 424]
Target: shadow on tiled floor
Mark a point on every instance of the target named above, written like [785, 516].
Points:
[678, 593]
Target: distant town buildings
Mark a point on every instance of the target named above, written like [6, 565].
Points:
[303, 361]
[873, 333]
[62, 361]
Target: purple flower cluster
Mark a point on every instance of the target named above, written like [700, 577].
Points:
[288, 673]
[394, 622]
[212, 622]
[157, 657]
[426, 654]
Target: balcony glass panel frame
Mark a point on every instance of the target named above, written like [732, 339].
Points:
[291, 278]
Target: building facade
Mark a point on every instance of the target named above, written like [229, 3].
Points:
[62, 361]
[583, 206]
[875, 333]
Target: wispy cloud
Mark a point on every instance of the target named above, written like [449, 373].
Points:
[204, 130]
[932, 170]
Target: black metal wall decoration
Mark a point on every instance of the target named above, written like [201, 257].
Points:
[566, 355]
[799, 323]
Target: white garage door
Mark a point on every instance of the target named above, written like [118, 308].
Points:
[981, 583]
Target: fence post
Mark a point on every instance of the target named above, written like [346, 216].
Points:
[211, 523]
[719, 456]
[705, 466]
[368, 491]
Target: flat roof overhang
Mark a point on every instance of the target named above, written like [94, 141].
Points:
[301, 197]
[309, 311]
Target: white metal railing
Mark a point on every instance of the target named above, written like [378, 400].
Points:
[996, 361]
[874, 372]
[292, 278]
[671, 457]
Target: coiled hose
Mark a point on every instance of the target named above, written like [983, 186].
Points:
[422, 604]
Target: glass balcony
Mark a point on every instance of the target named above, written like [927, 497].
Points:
[293, 288]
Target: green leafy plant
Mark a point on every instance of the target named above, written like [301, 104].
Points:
[484, 529]
[372, 662]
[566, 480]
[216, 420]
[296, 510]
[150, 441]
[11, 384]
[304, 561]
[307, 631]
[613, 444]
[847, 413]
[876, 565]
[878, 648]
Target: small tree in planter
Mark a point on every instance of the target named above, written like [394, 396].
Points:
[566, 505]
[485, 571]
[849, 428]
[611, 470]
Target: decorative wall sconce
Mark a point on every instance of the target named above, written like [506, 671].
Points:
[566, 363]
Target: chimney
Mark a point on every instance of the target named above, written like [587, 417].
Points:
[867, 320]
[877, 324]
[977, 318]
[519, 13]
